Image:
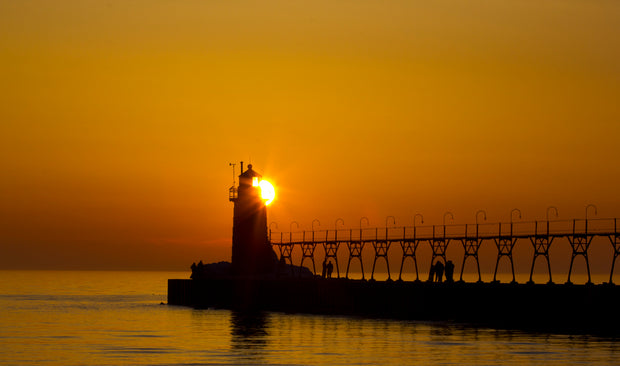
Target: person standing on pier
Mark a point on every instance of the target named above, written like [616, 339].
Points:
[431, 274]
[449, 271]
[439, 271]
[324, 268]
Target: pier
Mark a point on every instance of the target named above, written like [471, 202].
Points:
[553, 308]
[561, 308]
[258, 277]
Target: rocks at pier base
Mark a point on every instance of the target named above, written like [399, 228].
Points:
[552, 308]
[226, 270]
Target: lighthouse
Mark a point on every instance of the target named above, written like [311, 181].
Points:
[251, 251]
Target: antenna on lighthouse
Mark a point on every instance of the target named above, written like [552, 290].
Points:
[233, 165]
[232, 192]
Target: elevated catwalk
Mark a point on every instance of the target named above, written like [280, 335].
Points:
[579, 233]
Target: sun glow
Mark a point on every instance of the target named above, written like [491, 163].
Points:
[267, 191]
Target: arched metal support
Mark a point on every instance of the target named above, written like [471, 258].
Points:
[331, 251]
[307, 251]
[381, 250]
[356, 247]
[286, 249]
[355, 251]
[615, 242]
[439, 247]
[541, 243]
[286, 252]
[409, 248]
[504, 249]
[382, 246]
[580, 245]
[331, 246]
[471, 246]
[541, 247]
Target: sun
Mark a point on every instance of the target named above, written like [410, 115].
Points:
[267, 191]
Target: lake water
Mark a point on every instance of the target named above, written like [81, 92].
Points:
[112, 318]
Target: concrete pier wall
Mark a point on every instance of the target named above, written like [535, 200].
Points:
[558, 308]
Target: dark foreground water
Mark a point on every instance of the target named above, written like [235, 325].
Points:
[112, 318]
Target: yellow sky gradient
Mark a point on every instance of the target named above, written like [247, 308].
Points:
[119, 119]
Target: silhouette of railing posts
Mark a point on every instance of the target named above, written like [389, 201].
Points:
[505, 245]
[615, 242]
[541, 243]
[580, 244]
[307, 251]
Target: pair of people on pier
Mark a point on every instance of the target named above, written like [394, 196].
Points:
[198, 270]
[437, 272]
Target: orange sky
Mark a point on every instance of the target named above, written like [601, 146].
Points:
[119, 119]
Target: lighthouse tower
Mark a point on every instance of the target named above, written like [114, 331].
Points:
[251, 251]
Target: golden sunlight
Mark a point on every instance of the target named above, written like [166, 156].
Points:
[267, 191]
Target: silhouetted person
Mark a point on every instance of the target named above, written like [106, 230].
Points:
[198, 270]
[439, 271]
[431, 273]
[324, 268]
[330, 269]
[449, 271]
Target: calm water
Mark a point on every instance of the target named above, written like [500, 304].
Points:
[112, 318]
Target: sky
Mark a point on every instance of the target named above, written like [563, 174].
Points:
[118, 119]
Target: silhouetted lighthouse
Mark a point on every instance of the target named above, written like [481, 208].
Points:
[251, 251]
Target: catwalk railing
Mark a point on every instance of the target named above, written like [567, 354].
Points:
[540, 234]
